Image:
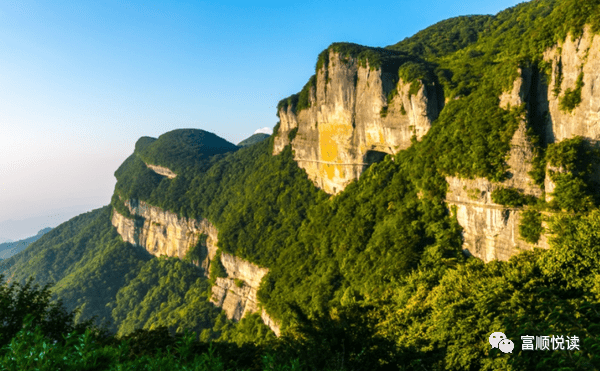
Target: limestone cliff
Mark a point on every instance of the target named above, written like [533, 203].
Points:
[568, 60]
[350, 124]
[164, 233]
[236, 294]
[491, 231]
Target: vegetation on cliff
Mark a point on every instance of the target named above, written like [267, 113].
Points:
[573, 168]
[572, 97]
[530, 227]
[511, 197]
[445, 37]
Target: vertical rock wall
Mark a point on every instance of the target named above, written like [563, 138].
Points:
[164, 233]
[491, 231]
[568, 59]
[344, 131]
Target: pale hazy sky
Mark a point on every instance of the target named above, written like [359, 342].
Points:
[81, 81]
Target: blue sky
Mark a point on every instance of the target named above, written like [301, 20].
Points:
[80, 82]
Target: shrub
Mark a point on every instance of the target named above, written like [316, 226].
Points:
[291, 101]
[197, 253]
[538, 167]
[304, 95]
[575, 187]
[217, 270]
[572, 97]
[416, 74]
[383, 112]
[571, 155]
[571, 193]
[559, 78]
[239, 283]
[292, 134]
[510, 197]
[530, 227]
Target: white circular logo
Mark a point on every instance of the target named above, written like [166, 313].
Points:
[495, 338]
[506, 346]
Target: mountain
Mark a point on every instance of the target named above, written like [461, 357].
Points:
[182, 148]
[255, 138]
[9, 249]
[411, 201]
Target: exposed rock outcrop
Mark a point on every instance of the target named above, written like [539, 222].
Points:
[162, 171]
[491, 231]
[236, 294]
[568, 60]
[520, 90]
[237, 299]
[349, 124]
[164, 233]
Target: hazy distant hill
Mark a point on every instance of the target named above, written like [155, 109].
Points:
[9, 249]
[256, 138]
[14, 230]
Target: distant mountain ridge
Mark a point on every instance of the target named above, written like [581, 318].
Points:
[255, 138]
[9, 249]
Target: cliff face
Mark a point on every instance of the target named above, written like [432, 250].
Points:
[491, 231]
[164, 233]
[568, 60]
[350, 124]
[344, 130]
[236, 294]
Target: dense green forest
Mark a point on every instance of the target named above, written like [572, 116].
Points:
[372, 278]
